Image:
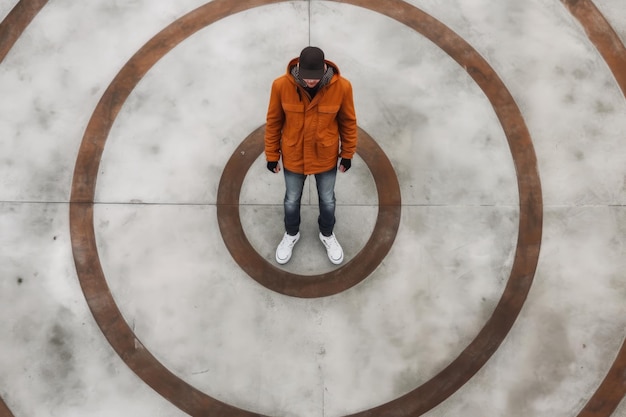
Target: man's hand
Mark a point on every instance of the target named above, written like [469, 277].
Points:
[345, 164]
[273, 166]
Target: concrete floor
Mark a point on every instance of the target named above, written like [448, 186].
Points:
[483, 221]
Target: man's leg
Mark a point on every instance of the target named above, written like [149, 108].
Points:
[294, 184]
[326, 192]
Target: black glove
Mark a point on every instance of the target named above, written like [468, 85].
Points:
[346, 163]
[272, 165]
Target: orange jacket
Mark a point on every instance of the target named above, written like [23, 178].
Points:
[310, 135]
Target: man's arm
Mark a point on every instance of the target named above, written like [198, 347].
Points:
[346, 117]
[274, 125]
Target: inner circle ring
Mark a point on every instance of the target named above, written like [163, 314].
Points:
[308, 286]
[192, 401]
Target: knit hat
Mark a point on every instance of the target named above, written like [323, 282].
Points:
[311, 64]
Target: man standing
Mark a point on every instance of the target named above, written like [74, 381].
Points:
[311, 123]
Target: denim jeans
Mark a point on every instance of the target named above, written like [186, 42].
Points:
[294, 184]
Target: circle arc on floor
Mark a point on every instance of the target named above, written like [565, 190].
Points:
[308, 286]
[605, 412]
[75, 203]
[194, 402]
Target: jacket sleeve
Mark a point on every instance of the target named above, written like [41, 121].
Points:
[347, 123]
[274, 125]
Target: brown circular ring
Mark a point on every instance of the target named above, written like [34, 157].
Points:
[308, 286]
[605, 400]
[194, 402]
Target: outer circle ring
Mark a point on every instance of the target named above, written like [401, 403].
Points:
[186, 397]
[308, 286]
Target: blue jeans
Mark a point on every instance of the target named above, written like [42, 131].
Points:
[294, 184]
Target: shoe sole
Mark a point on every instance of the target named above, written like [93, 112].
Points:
[336, 262]
[282, 262]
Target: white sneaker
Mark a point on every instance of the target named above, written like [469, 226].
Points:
[285, 247]
[333, 248]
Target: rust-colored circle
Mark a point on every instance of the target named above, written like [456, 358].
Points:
[613, 388]
[607, 397]
[183, 395]
[308, 286]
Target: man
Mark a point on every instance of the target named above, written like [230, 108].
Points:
[311, 123]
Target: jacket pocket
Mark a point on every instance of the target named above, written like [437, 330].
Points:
[294, 119]
[327, 118]
[296, 108]
[327, 148]
[327, 126]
